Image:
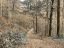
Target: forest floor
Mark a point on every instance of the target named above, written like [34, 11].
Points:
[47, 42]
[27, 40]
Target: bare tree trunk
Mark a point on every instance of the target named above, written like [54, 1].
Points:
[36, 22]
[58, 17]
[13, 4]
[51, 17]
[47, 21]
[9, 15]
[1, 7]
[63, 20]
[36, 18]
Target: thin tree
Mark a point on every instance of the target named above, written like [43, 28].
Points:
[1, 7]
[58, 18]
[37, 8]
[34, 6]
[51, 14]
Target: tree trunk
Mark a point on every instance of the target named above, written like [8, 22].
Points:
[58, 17]
[1, 7]
[47, 21]
[51, 17]
[36, 18]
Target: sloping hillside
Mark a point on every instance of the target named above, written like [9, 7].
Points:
[6, 24]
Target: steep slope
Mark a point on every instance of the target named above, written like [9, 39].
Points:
[5, 25]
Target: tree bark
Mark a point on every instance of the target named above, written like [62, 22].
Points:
[51, 17]
[58, 17]
[1, 7]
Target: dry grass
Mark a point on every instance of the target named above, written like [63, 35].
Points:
[44, 43]
[5, 25]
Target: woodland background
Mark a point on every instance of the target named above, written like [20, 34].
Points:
[45, 16]
[32, 24]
